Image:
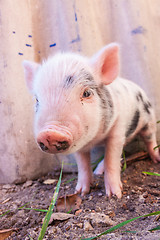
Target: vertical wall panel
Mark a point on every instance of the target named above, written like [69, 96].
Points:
[19, 156]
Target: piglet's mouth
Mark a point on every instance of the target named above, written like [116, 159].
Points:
[55, 140]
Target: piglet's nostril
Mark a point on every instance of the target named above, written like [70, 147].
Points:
[42, 146]
[62, 145]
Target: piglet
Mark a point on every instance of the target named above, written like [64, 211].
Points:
[82, 102]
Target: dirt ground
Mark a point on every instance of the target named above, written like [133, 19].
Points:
[141, 195]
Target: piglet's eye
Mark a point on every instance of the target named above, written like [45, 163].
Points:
[87, 93]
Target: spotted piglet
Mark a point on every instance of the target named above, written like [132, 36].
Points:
[82, 102]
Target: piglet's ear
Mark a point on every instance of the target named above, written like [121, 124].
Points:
[106, 63]
[30, 68]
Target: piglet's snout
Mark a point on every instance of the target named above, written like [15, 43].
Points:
[54, 141]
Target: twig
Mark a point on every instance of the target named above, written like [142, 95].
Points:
[136, 157]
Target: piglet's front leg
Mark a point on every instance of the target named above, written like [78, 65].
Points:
[85, 177]
[112, 168]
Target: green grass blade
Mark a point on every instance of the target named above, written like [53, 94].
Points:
[152, 173]
[11, 210]
[125, 163]
[121, 225]
[3, 214]
[49, 213]
[36, 209]
[70, 180]
[154, 229]
[156, 147]
[70, 210]
[129, 231]
[24, 205]
[30, 237]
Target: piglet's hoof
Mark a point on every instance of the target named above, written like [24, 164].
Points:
[83, 188]
[114, 188]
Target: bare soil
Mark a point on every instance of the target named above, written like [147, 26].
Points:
[141, 195]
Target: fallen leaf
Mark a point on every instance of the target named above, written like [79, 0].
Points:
[59, 216]
[5, 233]
[50, 181]
[68, 203]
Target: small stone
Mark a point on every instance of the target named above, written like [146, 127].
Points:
[124, 206]
[100, 194]
[88, 210]
[78, 212]
[145, 195]
[133, 191]
[19, 223]
[80, 225]
[20, 180]
[14, 207]
[90, 198]
[32, 233]
[139, 188]
[68, 226]
[98, 209]
[18, 202]
[67, 236]
[27, 238]
[99, 218]
[7, 186]
[87, 226]
[111, 214]
[52, 230]
[141, 199]
[28, 184]
[50, 181]
[20, 213]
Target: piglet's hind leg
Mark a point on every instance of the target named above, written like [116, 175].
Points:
[149, 136]
[100, 168]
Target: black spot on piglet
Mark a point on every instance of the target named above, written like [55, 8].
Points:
[147, 107]
[134, 123]
[68, 81]
[145, 128]
[146, 104]
[139, 97]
